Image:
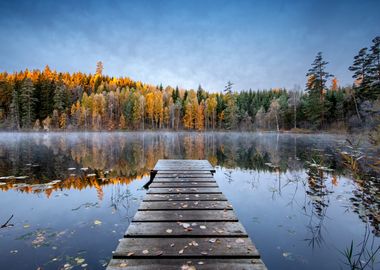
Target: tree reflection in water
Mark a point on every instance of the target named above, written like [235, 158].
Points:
[52, 162]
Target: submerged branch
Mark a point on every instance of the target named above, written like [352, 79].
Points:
[6, 225]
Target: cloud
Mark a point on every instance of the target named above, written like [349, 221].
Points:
[255, 44]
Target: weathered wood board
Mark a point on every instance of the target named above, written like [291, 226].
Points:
[185, 222]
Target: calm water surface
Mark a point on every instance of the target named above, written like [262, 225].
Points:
[76, 193]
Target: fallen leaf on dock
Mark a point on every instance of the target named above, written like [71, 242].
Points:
[145, 251]
[169, 230]
[239, 241]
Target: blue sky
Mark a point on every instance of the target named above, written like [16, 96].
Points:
[254, 44]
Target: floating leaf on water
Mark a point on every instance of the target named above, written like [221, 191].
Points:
[84, 265]
[4, 177]
[14, 251]
[21, 177]
[55, 182]
[79, 260]
[286, 254]
[71, 169]
[91, 175]
[97, 222]
[26, 226]
[84, 169]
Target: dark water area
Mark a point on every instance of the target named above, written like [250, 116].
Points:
[72, 195]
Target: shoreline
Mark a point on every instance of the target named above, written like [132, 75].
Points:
[290, 132]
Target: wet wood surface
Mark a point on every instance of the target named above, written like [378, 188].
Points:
[185, 222]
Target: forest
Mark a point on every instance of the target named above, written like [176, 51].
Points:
[48, 100]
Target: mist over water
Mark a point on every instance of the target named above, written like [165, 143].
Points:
[73, 194]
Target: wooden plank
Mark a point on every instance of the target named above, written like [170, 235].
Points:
[187, 184]
[176, 229]
[188, 247]
[185, 263]
[185, 205]
[161, 175]
[188, 165]
[184, 190]
[183, 215]
[180, 179]
[182, 171]
[184, 197]
[184, 175]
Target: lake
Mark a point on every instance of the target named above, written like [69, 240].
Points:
[73, 195]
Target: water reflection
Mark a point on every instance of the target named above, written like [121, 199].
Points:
[307, 170]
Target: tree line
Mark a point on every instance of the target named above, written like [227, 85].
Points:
[48, 100]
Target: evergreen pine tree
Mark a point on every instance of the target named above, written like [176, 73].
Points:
[375, 67]
[27, 101]
[362, 68]
[316, 105]
[59, 97]
[15, 110]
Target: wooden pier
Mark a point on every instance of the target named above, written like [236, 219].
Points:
[185, 222]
